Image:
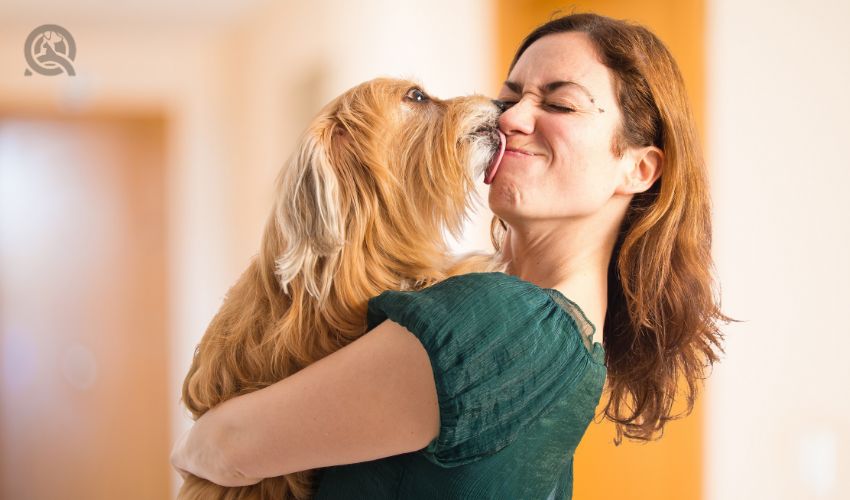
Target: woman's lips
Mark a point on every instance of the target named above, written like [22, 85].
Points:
[518, 152]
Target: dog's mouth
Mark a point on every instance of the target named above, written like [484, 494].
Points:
[488, 149]
[498, 140]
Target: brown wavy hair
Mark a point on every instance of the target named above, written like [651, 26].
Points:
[662, 315]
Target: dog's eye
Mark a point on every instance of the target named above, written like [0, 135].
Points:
[416, 95]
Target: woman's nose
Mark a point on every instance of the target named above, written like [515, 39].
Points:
[518, 118]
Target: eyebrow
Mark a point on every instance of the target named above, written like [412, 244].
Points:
[550, 87]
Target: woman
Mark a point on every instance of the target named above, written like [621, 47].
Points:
[482, 385]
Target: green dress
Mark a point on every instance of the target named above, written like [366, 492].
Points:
[518, 381]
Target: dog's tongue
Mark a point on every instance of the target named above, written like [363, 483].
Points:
[490, 173]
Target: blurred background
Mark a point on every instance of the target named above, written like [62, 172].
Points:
[133, 193]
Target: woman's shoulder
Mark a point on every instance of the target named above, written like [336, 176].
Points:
[465, 300]
[473, 294]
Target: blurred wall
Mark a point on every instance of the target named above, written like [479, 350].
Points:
[134, 65]
[778, 419]
[83, 282]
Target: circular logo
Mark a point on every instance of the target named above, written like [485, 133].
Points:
[49, 50]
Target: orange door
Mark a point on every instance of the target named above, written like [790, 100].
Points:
[83, 398]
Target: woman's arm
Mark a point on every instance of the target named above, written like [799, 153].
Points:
[374, 398]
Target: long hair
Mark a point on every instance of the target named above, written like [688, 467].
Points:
[661, 320]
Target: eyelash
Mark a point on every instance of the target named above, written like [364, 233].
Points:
[560, 109]
[554, 107]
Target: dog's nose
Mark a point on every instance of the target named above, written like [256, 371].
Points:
[501, 105]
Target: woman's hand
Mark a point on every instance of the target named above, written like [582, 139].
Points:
[179, 453]
[199, 453]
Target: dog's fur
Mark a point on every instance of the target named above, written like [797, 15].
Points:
[360, 208]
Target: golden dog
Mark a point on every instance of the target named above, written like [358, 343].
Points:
[360, 208]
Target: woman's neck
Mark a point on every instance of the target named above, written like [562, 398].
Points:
[571, 257]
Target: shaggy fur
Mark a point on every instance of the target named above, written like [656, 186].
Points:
[359, 208]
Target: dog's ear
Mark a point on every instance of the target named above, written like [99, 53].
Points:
[308, 214]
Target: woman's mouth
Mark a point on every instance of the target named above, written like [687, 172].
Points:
[507, 153]
[517, 152]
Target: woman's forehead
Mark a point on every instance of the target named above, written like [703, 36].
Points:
[562, 57]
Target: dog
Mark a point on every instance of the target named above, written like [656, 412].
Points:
[359, 208]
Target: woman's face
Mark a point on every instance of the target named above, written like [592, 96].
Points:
[560, 125]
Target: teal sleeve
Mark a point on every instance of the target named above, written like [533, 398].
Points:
[501, 352]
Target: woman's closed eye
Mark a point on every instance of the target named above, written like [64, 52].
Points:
[557, 108]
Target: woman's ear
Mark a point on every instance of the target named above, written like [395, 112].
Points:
[644, 166]
[308, 214]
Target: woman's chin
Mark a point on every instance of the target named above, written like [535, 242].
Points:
[504, 195]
